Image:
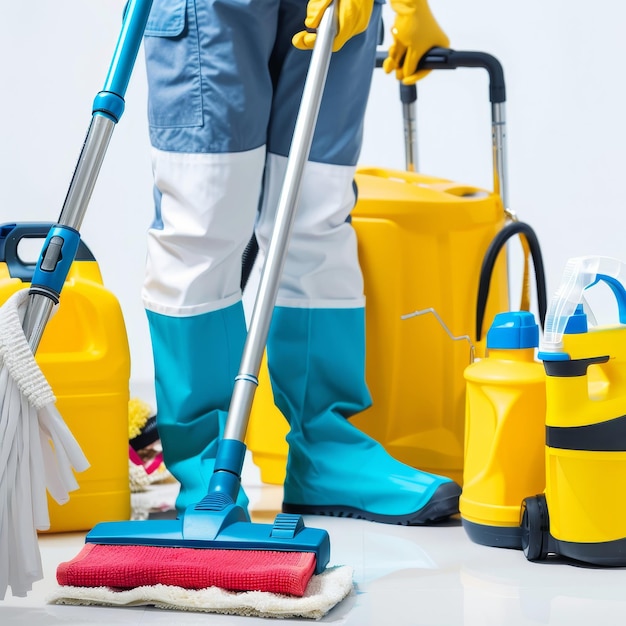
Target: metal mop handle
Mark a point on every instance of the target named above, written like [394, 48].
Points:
[246, 381]
[59, 249]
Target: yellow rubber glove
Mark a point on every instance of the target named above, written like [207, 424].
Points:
[415, 31]
[353, 17]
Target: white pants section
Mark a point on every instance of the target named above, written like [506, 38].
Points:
[208, 206]
[321, 268]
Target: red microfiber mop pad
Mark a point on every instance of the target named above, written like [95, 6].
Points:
[127, 567]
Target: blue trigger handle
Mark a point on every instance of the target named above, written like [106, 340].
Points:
[618, 291]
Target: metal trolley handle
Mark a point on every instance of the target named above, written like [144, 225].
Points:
[448, 59]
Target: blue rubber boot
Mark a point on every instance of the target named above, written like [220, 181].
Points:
[316, 359]
[196, 360]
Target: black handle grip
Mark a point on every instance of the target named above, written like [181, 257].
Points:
[448, 59]
[10, 236]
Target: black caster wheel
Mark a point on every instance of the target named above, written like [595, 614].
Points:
[535, 525]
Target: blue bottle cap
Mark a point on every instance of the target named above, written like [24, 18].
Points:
[577, 323]
[513, 330]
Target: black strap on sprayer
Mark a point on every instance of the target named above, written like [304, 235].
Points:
[508, 231]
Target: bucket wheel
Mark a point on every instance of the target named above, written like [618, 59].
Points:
[535, 525]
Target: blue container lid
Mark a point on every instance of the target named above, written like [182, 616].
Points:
[577, 323]
[513, 330]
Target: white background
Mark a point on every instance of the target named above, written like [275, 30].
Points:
[563, 62]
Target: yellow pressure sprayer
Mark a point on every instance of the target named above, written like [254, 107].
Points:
[582, 513]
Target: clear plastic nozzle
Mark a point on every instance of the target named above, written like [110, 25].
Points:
[579, 274]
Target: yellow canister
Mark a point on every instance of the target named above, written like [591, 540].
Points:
[504, 432]
[582, 513]
[84, 355]
[585, 449]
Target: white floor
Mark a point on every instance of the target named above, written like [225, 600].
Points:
[402, 577]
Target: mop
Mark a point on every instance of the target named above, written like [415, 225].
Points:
[212, 544]
[38, 453]
[323, 592]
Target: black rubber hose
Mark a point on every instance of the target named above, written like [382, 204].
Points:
[511, 229]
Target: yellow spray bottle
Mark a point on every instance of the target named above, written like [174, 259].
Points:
[504, 431]
[582, 514]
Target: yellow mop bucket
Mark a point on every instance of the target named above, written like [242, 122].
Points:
[84, 355]
[421, 246]
[582, 514]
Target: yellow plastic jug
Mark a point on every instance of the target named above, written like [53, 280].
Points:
[504, 432]
[84, 355]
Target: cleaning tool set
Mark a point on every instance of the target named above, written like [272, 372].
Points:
[213, 542]
[145, 455]
[425, 243]
[554, 429]
[582, 513]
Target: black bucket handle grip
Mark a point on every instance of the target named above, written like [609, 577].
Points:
[448, 59]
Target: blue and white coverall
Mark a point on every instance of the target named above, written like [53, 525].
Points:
[225, 84]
